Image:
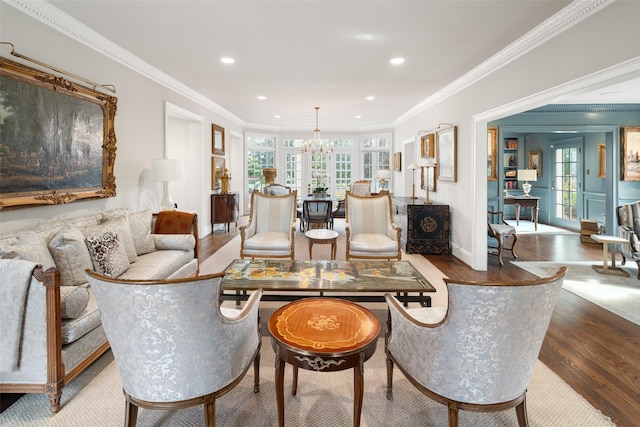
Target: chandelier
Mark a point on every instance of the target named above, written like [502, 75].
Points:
[316, 144]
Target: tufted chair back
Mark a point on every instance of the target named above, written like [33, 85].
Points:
[172, 342]
[478, 354]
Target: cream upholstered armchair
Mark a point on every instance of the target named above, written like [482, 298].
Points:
[270, 232]
[479, 353]
[369, 227]
[173, 344]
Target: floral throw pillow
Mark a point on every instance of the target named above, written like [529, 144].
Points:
[107, 254]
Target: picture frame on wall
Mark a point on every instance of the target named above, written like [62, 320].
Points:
[492, 154]
[428, 145]
[432, 173]
[534, 161]
[59, 139]
[217, 169]
[602, 161]
[630, 153]
[397, 162]
[446, 143]
[217, 140]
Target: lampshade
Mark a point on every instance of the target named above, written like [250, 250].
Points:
[527, 175]
[412, 166]
[167, 170]
[383, 174]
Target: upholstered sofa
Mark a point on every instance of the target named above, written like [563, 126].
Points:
[60, 332]
[629, 229]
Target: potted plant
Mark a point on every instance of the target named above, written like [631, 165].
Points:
[319, 192]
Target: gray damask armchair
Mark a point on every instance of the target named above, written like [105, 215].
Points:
[479, 353]
[174, 346]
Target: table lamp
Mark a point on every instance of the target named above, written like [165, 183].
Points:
[427, 163]
[412, 167]
[383, 175]
[167, 170]
[527, 175]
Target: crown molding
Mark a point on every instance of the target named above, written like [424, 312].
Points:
[48, 14]
[561, 21]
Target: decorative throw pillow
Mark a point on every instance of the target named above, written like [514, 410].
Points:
[107, 254]
[120, 227]
[140, 225]
[71, 255]
[30, 247]
[73, 301]
[174, 222]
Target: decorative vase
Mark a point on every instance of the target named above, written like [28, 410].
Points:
[225, 181]
[269, 175]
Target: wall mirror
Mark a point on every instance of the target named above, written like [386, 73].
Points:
[217, 140]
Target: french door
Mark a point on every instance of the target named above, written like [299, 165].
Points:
[566, 186]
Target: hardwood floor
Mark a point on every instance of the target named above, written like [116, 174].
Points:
[593, 350]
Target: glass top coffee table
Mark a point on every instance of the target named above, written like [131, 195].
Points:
[361, 280]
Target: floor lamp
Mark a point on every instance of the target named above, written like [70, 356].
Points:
[167, 170]
[412, 167]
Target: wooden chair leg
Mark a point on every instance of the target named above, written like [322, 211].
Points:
[130, 415]
[389, 378]
[256, 373]
[453, 414]
[500, 245]
[513, 245]
[521, 412]
[210, 412]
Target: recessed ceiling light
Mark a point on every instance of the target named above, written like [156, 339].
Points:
[397, 61]
[262, 97]
[277, 116]
[227, 60]
[358, 116]
[370, 98]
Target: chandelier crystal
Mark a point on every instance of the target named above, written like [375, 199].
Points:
[316, 144]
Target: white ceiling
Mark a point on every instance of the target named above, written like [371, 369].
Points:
[302, 54]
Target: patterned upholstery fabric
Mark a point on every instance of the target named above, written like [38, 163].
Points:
[140, 227]
[71, 255]
[174, 222]
[485, 349]
[29, 247]
[171, 341]
[370, 230]
[73, 301]
[107, 254]
[271, 227]
[361, 188]
[276, 190]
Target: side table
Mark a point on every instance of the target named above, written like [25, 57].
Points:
[320, 236]
[606, 241]
[323, 335]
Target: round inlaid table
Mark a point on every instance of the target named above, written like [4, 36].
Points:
[324, 335]
[322, 235]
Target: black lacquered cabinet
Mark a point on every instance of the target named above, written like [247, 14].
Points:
[224, 209]
[425, 228]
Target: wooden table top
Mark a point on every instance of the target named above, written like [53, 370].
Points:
[324, 325]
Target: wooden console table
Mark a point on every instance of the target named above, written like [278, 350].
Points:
[224, 209]
[526, 202]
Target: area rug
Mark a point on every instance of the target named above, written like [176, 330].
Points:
[95, 398]
[528, 227]
[620, 295]
[231, 251]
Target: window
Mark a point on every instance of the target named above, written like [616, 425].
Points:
[260, 154]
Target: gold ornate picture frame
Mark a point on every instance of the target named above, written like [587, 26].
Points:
[630, 147]
[217, 169]
[492, 154]
[428, 145]
[217, 140]
[602, 161]
[58, 139]
[397, 162]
